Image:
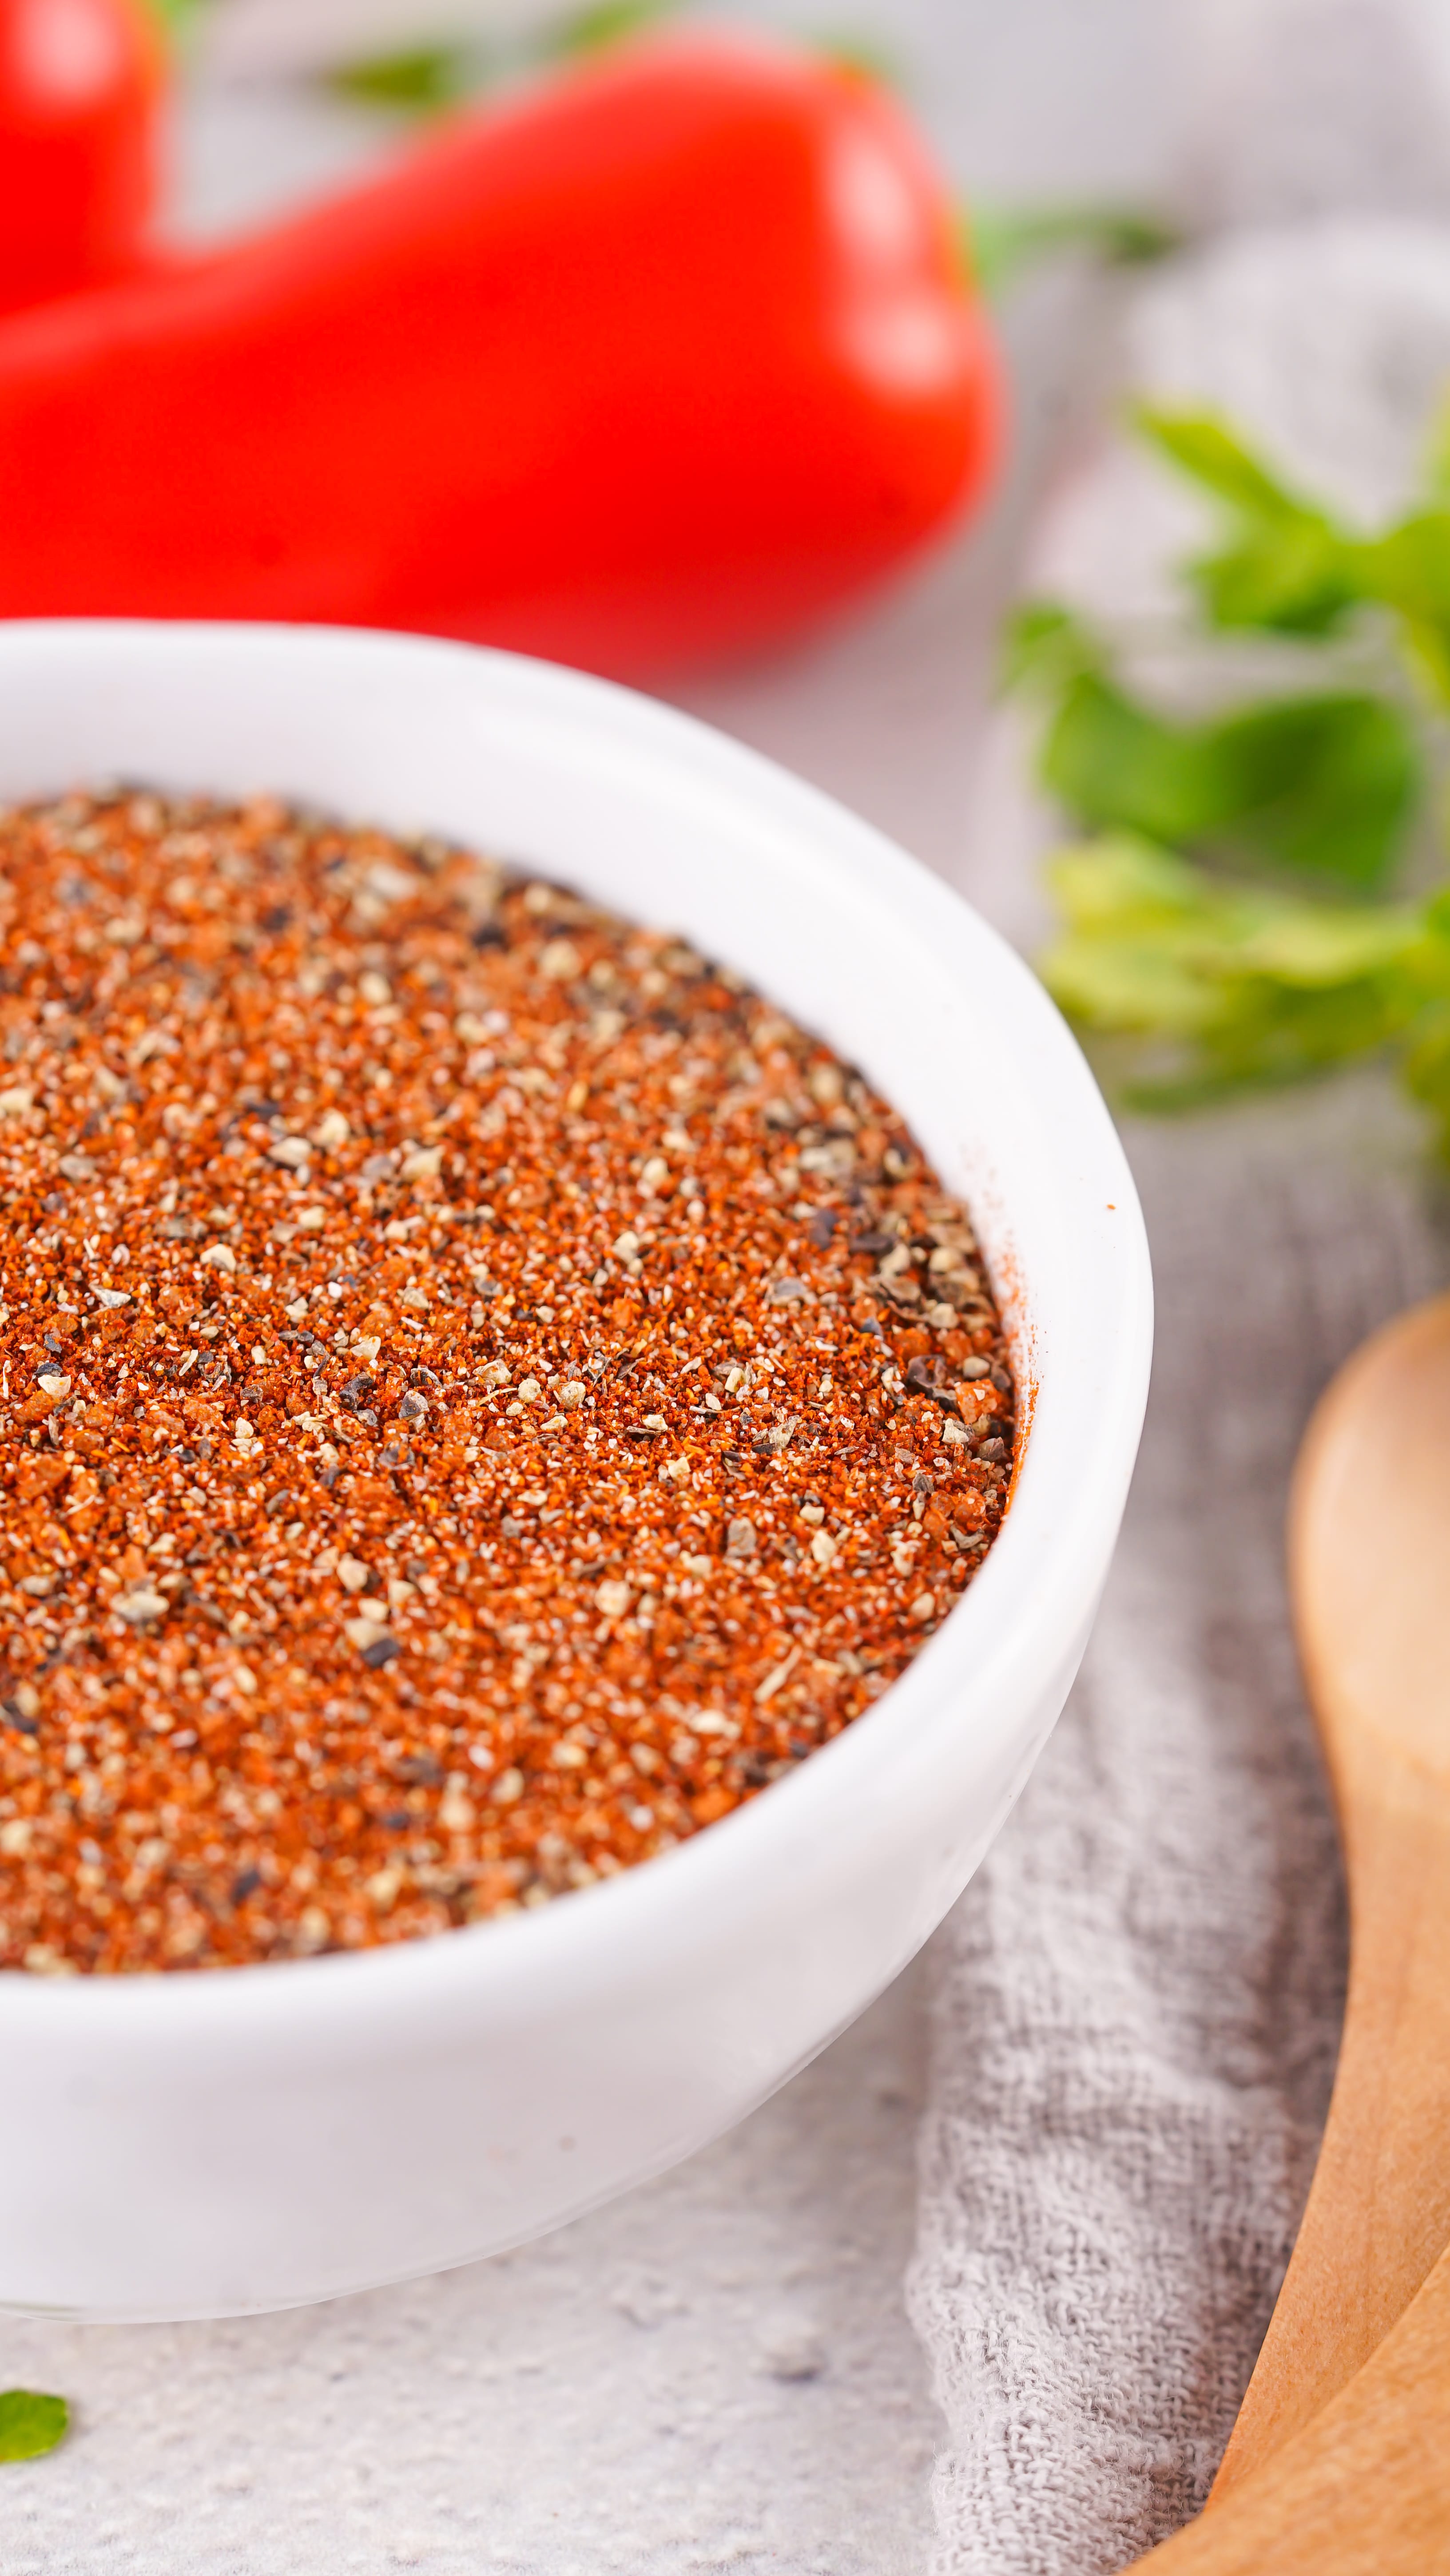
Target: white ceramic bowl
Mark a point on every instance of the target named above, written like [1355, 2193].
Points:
[192, 2145]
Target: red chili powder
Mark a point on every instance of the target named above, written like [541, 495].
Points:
[481, 1393]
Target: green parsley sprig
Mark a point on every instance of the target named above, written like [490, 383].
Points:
[1237, 913]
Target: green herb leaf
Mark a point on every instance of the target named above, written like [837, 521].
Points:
[418, 81]
[1135, 918]
[423, 80]
[30, 2425]
[1325, 786]
[1002, 243]
[1287, 577]
[1240, 986]
[1408, 571]
[1046, 647]
[608, 23]
[1111, 762]
[1288, 567]
[1205, 448]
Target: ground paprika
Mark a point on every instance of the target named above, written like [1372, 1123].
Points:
[481, 1393]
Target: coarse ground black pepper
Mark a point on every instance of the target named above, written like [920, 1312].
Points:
[481, 1393]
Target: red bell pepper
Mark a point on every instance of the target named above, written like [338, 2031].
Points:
[80, 82]
[656, 360]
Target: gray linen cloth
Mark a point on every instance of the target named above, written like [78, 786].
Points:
[1137, 2002]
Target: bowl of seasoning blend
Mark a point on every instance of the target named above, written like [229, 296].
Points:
[573, 1335]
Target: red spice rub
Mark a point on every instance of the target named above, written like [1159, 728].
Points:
[481, 1394]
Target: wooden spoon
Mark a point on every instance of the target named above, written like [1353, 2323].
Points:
[1369, 1555]
[1364, 2490]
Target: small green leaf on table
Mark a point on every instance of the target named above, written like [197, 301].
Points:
[30, 2424]
[418, 81]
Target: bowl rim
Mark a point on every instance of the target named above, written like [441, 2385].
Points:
[583, 1936]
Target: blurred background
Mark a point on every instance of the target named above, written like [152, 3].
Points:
[1041, 100]
[1049, 104]
[1205, 116]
